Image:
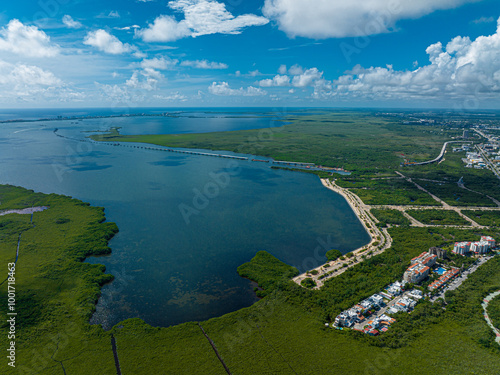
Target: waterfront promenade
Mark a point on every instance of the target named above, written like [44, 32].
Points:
[380, 240]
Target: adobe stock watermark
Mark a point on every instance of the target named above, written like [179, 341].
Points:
[383, 362]
[40, 359]
[231, 5]
[37, 359]
[212, 189]
[244, 328]
[49, 9]
[219, 181]
[11, 315]
[472, 101]
[378, 24]
[75, 155]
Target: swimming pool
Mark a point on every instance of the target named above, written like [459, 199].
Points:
[440, 271]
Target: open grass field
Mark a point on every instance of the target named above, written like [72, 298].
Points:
[283, 333]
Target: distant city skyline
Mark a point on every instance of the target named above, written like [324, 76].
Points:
[267, 53]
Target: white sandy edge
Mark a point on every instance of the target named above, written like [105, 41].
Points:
[362, 211]
[24, 211]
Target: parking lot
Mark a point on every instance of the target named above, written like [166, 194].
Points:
[461, 278]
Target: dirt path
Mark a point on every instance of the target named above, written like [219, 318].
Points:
[462, 186]
[443, 203]
[335, 268]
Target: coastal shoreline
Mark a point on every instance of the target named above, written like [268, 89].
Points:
[380, 240]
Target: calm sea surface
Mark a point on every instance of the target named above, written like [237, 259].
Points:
[186, 222]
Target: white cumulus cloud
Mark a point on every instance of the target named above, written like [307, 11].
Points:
[24, 83]
[22, 75]
[105, 42]
[296, 70]
[161, 63]
[26, 40]
[164, 29]
[298, 77]
[339, 18]
[223, 89]
[463, 68]
[146, 79]
[176, 96]
[71, 23]
[277, 81]
[204, 64]
[307, 78]
[201, 17]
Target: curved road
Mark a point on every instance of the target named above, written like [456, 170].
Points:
[485, 304]
[443, 150]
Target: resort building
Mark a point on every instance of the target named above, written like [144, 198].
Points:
[425, 259]
[416, 273]
[444, 279]
[490, 240]
[403, 305]
[420, 267]
[461, 248]
[381, 322]
[478, 247]
[347, 318]
[378, 300]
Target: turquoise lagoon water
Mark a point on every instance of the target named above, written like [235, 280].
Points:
[186, 222]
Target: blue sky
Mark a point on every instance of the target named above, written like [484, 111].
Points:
[201, 53]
